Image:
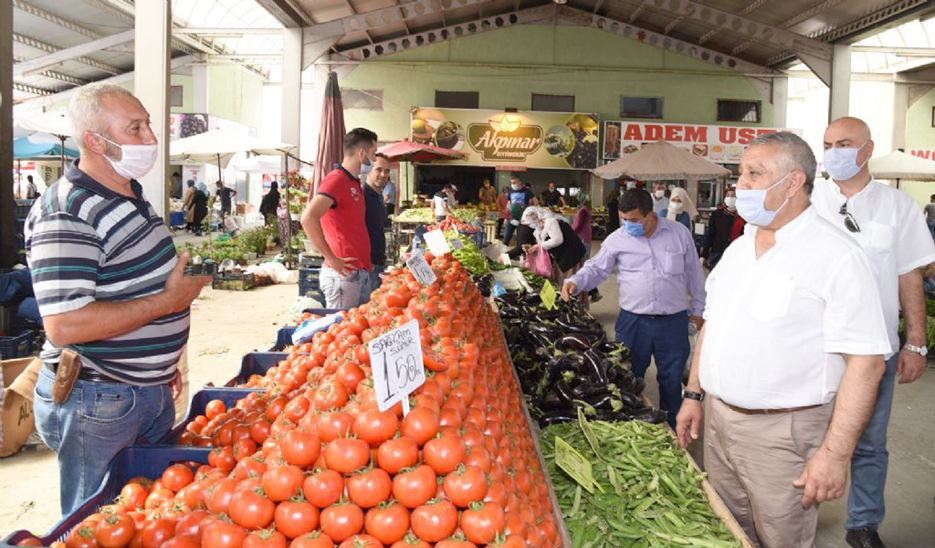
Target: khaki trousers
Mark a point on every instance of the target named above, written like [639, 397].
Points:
[181, 404]
[752, 460]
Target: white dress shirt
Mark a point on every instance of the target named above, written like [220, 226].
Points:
[776, 327]
[893, 233]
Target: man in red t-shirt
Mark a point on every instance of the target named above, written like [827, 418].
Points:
[335, 222]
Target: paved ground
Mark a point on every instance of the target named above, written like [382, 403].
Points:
[226, 325]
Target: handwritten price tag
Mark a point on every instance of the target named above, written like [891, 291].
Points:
[548, 295]
[575, 465]
[588, 432]
[437, 243]
[396, 359]
[456, 244]
[420, 269]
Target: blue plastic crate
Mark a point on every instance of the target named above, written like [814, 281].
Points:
[284, 335]
[198, 404]
[309, 281]
[18, 346]
[148, 461]
[255, 363]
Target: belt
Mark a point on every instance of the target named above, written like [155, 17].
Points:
[769, 411]
[87, 374]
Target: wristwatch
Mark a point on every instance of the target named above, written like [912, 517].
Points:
[692, 395]
[920, 350]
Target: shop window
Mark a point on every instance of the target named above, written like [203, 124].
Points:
[364, 99]
[457, 99]
[729, 110]
[553, 103]
[641, 107]
[176, 96]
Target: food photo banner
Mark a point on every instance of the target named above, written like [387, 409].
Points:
[542, 140]
[720, 144]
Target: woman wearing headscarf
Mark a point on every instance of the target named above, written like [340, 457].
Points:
[681, 208]
[200, 206]
[554, 234]
[270, 203]
[189, 203]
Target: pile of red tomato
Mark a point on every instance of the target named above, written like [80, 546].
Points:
[312, 462]
[452, 223]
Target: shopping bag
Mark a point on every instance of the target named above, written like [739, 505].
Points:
[540, 262]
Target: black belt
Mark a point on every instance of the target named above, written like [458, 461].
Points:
[87, 374]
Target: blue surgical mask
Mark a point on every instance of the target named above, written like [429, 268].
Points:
[841, 163]
[750, 205]
[633, 228]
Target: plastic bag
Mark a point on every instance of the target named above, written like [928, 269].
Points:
[540, 262]
[278, 272]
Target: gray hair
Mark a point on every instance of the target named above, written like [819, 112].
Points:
[796, 154]
[86, 110]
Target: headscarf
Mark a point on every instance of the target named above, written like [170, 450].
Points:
[201, 187]
[534, 215]
[687, 205]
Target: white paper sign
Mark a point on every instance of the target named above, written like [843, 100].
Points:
[420, 269]
[437, 243]
[456, 244]
[505, 259]
[396, 359]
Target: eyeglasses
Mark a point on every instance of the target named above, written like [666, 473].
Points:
[850, 223]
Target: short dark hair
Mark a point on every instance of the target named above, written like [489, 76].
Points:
[357, 138]
[381, 155]
[29, 178]
[636, 198]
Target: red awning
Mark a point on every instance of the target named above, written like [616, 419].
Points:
[407, 151]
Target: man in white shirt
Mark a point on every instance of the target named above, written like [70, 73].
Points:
[889, 226]
[660, 202]
[442, 203]
[793, 331]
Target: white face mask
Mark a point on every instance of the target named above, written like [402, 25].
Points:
[676, 206]
[730, 202]
[135, 160]
[659, 193]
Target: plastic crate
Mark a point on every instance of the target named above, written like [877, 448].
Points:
[18, 346]
[208, 268]
[255, 363]
[148, 461]
[22, 208]
[177, 219]
[309, 281]
[233, 282]
[311, 261]
[284, 335]
[198, 403]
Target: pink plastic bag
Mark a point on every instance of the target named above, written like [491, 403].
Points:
[540, 262]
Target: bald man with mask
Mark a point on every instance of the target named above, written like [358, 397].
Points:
[891, 229]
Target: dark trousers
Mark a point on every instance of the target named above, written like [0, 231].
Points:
[666, 339]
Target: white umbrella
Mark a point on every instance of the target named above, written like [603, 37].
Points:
[901, 166]
[661, 161]
[259, 164]
[45, 128]
[217, 146]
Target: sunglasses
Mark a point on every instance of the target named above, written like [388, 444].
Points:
[850, 223]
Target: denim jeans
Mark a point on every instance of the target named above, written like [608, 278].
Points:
[508, 230]
[97, 421]
[343, 292]
[374, 284]
[865, 505]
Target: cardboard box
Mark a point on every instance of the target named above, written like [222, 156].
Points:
[16, 417]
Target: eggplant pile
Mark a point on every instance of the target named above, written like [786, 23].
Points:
[565, 362]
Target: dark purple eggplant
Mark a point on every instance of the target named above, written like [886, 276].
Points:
[594, 366]
[556, 417]
[648, 414]
[575, 342]
[587, 390]
[564, 391]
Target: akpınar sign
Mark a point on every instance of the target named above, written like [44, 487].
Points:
[505, 138]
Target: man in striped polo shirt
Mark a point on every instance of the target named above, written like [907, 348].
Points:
[111, 288]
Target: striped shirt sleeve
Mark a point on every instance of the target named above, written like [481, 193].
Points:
[65, 256]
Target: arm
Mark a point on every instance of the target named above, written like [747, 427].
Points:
[561, 201]
[595, 271]
[694, 278]
[825, 474]
[688, 421]
[311, 224]
[911, 365]
[554, 232]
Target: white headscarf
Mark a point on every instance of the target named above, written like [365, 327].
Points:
[687, 205]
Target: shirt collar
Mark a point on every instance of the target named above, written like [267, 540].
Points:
[79, 178]
[348, 173]
[866, 191]
[796, 225]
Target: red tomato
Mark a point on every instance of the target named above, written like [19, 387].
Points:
[315, 539]
[414, 487]
[331, 394]
[323, 488]
[251, 510]
[342, 521]
[115, 531]
[398, 453]
[332, 426]
[465, 485]
[435, 520]
[421, 424]
[156, 532]
[218, 496]
[375, 426]
[361, 541]
[214, 408]
[265, 539]
[300, 448]
[443, 454]
[369, 488]
[347, 454]
[482, 522]
[282, 482]
[296, 518]
[133, 496]
[220, 534]
[388, 522]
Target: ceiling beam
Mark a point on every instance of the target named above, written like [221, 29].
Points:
[382, 17]
[636, 13]
[231, 32]
[48, 73]
[287, 12]
[48, 48]
[896, 50]
[355, 12]
[751, 7]
[811, 12]
[597, 6]
[26, 7]
[26, 88]
[66, 54]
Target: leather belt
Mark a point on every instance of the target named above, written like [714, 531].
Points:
[87, 374]
[769, 411]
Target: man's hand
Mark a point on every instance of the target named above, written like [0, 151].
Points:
[688, 422]
[180, 289]
[823, 479]
[909, 366]
[569, 289]
[343, 266]
[532, 248]
[698, 320]
[175, 386]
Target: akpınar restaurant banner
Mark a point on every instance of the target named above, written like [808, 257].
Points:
[544, 140]
[719, 144]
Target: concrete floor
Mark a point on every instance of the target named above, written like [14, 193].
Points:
[226, 325]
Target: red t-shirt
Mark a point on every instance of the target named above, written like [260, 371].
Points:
[345, 224]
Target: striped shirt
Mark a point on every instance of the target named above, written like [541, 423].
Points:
[86, 243]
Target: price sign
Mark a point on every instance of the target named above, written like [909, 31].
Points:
[588, 432]
[437, 243]
[396, 359]
[575, 465]
[420, 269]
[456, 244]
[548, 295]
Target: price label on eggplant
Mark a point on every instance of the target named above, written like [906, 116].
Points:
[396, 360]
[437, 243]
[547, 294]
[575, 465]
[456, 244]
[588, 432]
[420, 269]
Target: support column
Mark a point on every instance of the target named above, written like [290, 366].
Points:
[200, 87]
[7, 222]
[780, 101]
[292, 87]
[900, 109]
[840, 82]
[152, 80]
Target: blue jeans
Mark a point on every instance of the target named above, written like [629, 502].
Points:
[374, 283]
[666, 339]
[932, 230]
[344, 292]
[865, 505]
[97, 421]
[508, 230]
